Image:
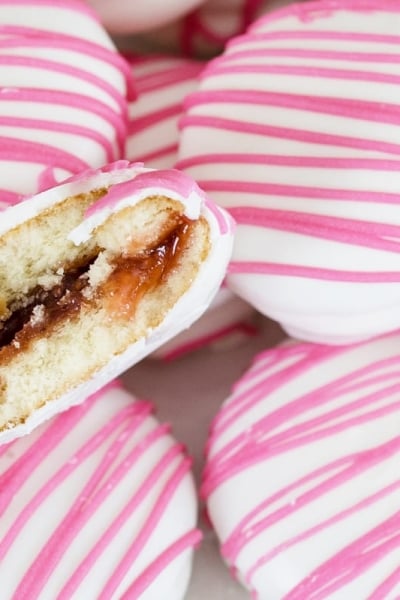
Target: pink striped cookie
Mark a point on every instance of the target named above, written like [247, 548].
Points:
[63, 105]
[302, 480]
[98, 503]
[130, 16]
[295, 130]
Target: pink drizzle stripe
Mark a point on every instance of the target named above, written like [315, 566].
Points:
[166, 77]
[360, 396]
[186, 542]
[336, 55]
[267, 268]
[323, 73]
[9, 198]
[385, 112]
[116, 459]
[245, 329]
[349, 231]
[300, 135]
[152, 119]
[300, 191]
[42, 124]
[380, 164]
[77, 101]
[166, 154]
[73, 72]
[32, 152]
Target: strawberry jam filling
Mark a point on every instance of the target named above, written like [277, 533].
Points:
[131, 277]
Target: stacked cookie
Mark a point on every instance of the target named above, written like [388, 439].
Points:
[140, 190]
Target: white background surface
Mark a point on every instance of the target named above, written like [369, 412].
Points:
[187, 393]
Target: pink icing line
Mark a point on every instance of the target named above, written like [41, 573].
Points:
[298, 191]
[269, 268]
[9, 198]
[35, 152]
[383, 112]
[340, 55]
[190, 540]
[301, 135]
[257, 35]
[167, 77]
[77, 101]
[76, 73]
[168, 180]
[167, 150]
[382, 591]
[316, 162]
[167, 112]
[245, 329]
[69, 128]
[305, 71]
[47, 179]
[367, 234]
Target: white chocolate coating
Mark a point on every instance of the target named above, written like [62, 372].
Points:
[295, 130]
[97, 503]
[301, 478]
[63, 100]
